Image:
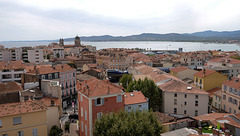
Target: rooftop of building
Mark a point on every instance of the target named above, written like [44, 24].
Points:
[203, 73]
[163, 118]
[10, 87]
[29, 106]
[226, 60]
[234, 83]
[179, 69]
[214, 91]
[95, 87]
[134, 98]
[12, 65]
[210, 116]
[165, 81]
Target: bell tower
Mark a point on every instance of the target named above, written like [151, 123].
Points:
[61, 42]
[77, 41]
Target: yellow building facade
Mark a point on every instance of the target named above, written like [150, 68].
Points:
[23, 119]
[208, 79]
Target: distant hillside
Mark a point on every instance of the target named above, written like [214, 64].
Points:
[217, 34]
[205, 36]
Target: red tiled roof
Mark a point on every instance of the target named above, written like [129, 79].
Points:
[92, 65]
[226, 60]
[9, 87]
[134, 97]
[63, 68]
[95, 87]
[210, 116]
[232, 83]
[20, 108]
[45, 69]
[174, 85]
[207, 73]
[180, 86]
[178, 69]
[11, 65]
[47, 101]
[213, 91]
[163, 118]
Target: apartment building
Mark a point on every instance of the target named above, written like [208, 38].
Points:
[95, 98]
[135, 101]
[194, 58]
[58, 52]
[35, 56]
[9, 92]
[114, 59]
[208, 79]
[67, 82]
[5, 55]
[231, 96]
[226, 66]
[66, 77]
[23, 118]
[11, 71]
[182, 72]
[179, 98]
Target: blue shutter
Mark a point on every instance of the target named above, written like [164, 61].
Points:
[102, 101]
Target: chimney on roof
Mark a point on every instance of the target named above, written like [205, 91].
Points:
[204, 72]
[108, 92]
[62, 66]
[200, 130]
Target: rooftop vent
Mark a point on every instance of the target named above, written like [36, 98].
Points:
[154, 70]
[131, 94]
[189, 88]
[227, 60]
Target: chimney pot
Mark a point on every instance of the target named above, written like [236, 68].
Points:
[200, 130]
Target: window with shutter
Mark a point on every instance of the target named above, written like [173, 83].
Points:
[17, 120]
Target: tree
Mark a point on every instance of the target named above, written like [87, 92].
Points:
[125, 80]
[48, 56]
[128, 124]
[58, 55]
[55, 131]
[149, 90]
[67, 126]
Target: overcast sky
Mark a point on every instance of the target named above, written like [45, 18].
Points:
[52, 19]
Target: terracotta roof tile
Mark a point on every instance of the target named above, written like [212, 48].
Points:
[212, 91]
[206, 71]
[210, 116]
[9, 87]
[134, 98]
[173, 85]
[226, 60]
[163, 118]
[20, 108]
[232, 83]
[95, 87]
[178, 69]
[47, 101]
[180, 86]
[11, 65]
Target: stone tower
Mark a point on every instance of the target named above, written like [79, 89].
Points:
[61, 42]
[77, 41]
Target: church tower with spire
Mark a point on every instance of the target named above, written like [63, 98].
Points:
[61, 42]
[77, 41]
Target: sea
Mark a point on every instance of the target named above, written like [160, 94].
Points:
[149, 45]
